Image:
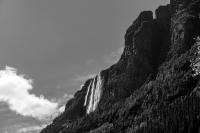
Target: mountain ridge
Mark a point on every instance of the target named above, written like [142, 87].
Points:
[149, 85]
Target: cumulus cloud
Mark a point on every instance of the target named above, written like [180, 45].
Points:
[15, 91]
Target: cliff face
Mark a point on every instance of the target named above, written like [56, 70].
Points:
[154, 85]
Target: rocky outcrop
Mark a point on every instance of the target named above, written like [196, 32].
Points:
[152, 88]
[185, 27]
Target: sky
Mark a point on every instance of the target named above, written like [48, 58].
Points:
[48, 48]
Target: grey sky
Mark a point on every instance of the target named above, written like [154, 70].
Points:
[57, 42]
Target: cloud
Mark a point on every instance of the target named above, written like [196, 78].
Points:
[62, 109]
[14, 90]
[31, 129]
[114, 56]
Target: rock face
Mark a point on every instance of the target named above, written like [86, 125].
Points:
[154, 87]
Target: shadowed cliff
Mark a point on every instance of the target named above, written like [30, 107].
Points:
[154, 87]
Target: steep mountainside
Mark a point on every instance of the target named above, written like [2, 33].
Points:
[154, 87]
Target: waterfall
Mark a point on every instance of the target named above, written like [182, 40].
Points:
[93, 94]
[86, 96]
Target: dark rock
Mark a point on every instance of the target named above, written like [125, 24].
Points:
[185, 27]
[163, 13]
[152, 87]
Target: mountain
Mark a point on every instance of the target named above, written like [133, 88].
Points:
[154, 87]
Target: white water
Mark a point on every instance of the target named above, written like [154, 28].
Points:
[93, 95]
[86, 96]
